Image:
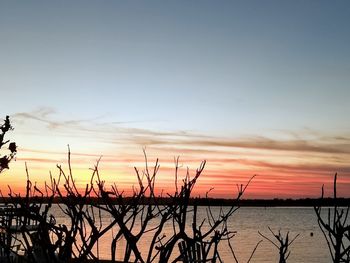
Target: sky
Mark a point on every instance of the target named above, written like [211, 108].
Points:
[253, 87]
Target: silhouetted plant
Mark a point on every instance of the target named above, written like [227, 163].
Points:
[5, 159]
[251, 254]
[335, 227]
[53, 242]
[126, 211]
[282, 245]
[208, 237]
[33, 210]
[134, 215]
[86, 225]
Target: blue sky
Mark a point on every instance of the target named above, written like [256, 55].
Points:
[225, 69]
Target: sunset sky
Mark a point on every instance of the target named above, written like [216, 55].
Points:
[253, 87]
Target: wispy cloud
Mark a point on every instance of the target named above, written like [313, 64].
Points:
[329, 146]
[45, 115]
[110, 132]
[291, 158]
[270, 144]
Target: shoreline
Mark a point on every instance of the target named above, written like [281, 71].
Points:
[276, 202]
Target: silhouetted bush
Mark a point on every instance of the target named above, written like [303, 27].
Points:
[335, 227]
[5, 159]
[283, 243]
[76, 240]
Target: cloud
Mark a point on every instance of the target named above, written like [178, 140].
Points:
[44, 115]
[37, 160]
[330, 146]
[263, 143]
[288, 168]
[110, 132]
[33, 151]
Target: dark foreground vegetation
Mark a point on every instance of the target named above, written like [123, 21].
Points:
[29, 231]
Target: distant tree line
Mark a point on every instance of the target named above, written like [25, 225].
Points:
[196, 201]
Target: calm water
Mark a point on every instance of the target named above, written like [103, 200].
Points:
[247, 221]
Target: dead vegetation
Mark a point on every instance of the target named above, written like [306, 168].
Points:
[335, 226]
[131, 219]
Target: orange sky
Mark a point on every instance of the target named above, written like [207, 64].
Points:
[285, 167]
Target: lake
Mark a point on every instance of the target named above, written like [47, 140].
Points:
[247, 221]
